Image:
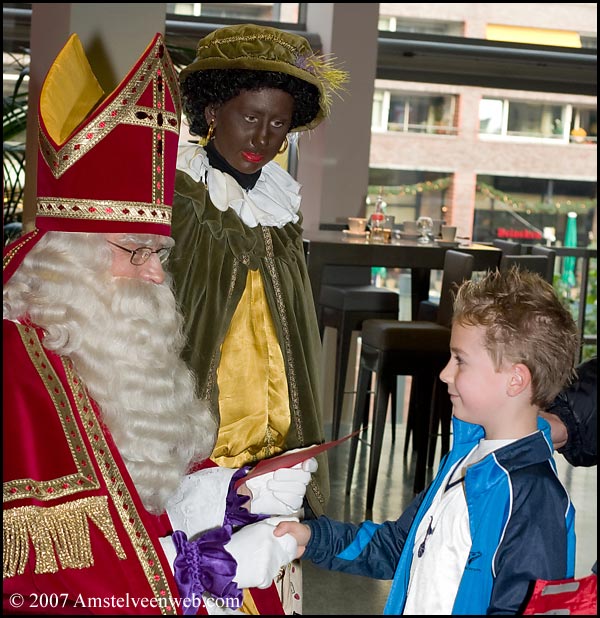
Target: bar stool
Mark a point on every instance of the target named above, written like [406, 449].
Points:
[428, 309]
[527, 257]
[534, 263]
[508, 247]
[551, 255]
[347, 298]
[416, 348]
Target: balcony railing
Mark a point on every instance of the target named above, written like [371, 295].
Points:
[584, 296]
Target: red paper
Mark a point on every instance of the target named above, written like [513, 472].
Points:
[287, 460]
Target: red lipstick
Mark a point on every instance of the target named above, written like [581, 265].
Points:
[253, 157]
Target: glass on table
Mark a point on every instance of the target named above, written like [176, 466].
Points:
[425, 228]
[377, 223]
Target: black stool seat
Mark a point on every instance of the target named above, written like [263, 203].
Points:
[358, 298]
[346, 299]
[418, 336]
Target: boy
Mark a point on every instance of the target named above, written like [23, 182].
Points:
[496, 517]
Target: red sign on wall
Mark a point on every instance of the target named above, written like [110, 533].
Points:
[504, 232]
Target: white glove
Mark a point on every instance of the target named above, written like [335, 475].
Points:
[281, 492]
[259, 553]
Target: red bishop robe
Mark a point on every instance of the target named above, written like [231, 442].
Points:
[77, 538]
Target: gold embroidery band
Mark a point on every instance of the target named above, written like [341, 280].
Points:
[16, 247]
[61, 530]
[103, 210]
[121, 497]
[287, 343]
[83, 477]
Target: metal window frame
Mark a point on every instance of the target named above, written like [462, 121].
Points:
[422, 58]
[489, 64]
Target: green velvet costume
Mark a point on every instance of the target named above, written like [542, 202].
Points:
[213, 254]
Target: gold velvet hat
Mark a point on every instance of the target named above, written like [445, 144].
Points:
[261, 48]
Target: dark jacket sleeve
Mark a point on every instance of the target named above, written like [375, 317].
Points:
[368, 549]
[577, 407]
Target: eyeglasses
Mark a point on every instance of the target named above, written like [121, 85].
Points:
[141, 255]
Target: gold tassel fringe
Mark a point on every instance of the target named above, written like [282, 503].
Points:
[59, 531]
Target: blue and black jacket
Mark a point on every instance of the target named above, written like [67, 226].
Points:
[521, 520]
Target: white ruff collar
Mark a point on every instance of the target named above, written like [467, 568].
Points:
[273, 202]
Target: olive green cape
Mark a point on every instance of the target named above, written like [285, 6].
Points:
[209, 263]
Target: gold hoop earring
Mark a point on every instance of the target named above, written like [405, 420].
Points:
[284, 146]
[211, 132]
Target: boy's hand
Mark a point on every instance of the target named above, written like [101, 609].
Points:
[300, 532]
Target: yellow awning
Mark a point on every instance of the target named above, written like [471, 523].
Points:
[533, 36]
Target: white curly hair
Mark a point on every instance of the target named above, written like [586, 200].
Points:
[124, 337]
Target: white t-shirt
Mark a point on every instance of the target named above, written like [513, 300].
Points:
[443, 541]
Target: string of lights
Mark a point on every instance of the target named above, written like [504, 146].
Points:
[441, 184]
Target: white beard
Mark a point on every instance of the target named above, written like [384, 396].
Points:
[130, 362]
[124, 338]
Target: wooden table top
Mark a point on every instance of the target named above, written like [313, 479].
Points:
[329, 247]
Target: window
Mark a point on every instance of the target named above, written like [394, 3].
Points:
[491, 116]
[287, 12]
[589, 41]
[532, 209]
[380, 102]
[413, 113]
[523, 119]
[420, 26]
[535, 120]
[408, 194]
[584, 127]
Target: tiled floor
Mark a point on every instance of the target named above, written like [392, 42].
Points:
[331, 593]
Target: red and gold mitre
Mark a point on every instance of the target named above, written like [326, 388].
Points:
[109, 168]
[104, 165]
